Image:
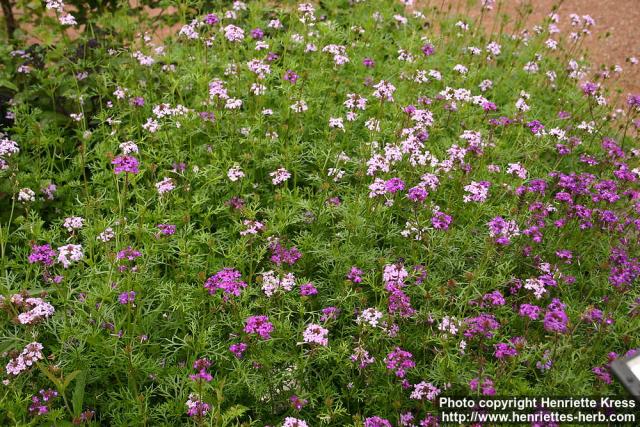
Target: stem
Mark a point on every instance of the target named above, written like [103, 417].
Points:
[9, 20]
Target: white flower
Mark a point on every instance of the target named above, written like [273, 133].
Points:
[235, 173]
[69, 254]
[26, 195]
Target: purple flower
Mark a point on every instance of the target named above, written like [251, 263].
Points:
[211, 19]
[400, 303]
[417, 194]
[128, 253]
[530, 311]
[428, 49]
[167, 229]
[281, 255]
[297, 403]
[238, 349]
[441, 221]
[355, 275]
[226, 279]
[602, 373]
[483, 325]
[127, 164]
[489, 106]
[42, 255]
[138, 101]
[329, 313]
[394, 185]
[40, 404]
[556, 321]
[399, 361]
[259, 325]
[633, 101]
[590, 88]
[376, 422]
[503, 350]
[257, 34]
[291, 77]
[368, 62]
[486, 387]
[127, 297]
[494, 298]
[196, 407]
[535, 127]
[201, 365]
[308, 289]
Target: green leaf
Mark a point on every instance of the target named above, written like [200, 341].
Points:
[77, 399]
[8, 84]
[55, 380]
[70, 378]
[235, 411]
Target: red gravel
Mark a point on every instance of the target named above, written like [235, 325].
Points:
[616, 35]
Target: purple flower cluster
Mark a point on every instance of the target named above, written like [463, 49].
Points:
[42, 254]
[399, 361]
[125, 164]
[259, 325]
[127, 298]
[228, 280]
[41, 404]
[201, 365]
[281, 255]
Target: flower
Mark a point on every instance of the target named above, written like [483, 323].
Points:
[29, 355]
[399, 361]
[127, 298]
[42, 254]
[294, 422]
[235, 173]
[424, 390]
[167, 229]
[34, 310]
[281, 255]
[69, 254]
[228, 280]
[355, 275]
[316, 334]
[291, 77]
[308, 289]
[26, 195]
[376, 422]
[201, 365]
[73, 223]
[259, 325]
[428, 49]
[126, 164]
[196, 407]
[362, 357]
[238, 349]
[165, 185]
[478, 191]
[233, 34]
[556, 321]
[279, 176]
[40, 404]
[441, 221]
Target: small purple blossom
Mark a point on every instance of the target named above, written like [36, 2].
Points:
[126, 164]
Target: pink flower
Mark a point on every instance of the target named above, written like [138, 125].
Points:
[316, 334]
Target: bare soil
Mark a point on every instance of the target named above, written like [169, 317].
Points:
[615, 38]
[616, 35]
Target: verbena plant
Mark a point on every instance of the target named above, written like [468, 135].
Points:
[310, 215]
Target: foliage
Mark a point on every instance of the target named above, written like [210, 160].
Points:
[470, 228]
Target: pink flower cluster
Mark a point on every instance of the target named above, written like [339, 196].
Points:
[29, 355]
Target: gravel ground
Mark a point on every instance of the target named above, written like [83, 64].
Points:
[616, 35]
